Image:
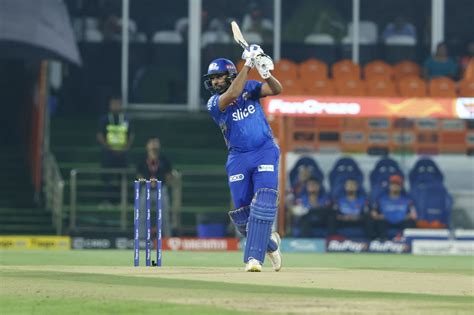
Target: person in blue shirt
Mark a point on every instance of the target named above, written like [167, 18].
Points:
[393, 210]
[252, 164]
[440, 65]
[350, 209]
[311, 209]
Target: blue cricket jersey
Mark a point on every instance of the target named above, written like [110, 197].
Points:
[394, 209]
[243, 123]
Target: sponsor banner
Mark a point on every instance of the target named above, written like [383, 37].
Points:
[200, 244]
[461, 234]
[303, 245]
[93, 243]
[35, 242]
[370, 107]
[433, 247]
[354, 246]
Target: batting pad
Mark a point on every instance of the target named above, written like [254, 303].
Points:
[240, 218]
[262, 214]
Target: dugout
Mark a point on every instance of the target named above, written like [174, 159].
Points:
[368, 128]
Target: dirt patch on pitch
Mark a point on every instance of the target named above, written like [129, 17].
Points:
[324, 278]
[247, 302]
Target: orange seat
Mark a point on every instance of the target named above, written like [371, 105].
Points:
[411, 86]
[350, 87]
[285, 68]
[345, 69]
[406, 68]
[442, 87]
[381, 87]
[313, 69]
[292, 86]
[378, 69]
[469, 72]
[319, 87]
[253, 74]
[466, 88]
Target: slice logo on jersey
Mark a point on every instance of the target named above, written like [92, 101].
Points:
[236, 178]
[241, 114]
[266, 168]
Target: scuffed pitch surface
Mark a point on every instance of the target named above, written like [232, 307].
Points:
[325, 278]
[292, 291]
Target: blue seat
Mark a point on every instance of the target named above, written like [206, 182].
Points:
[315, 171]
[425, 170]
[432, 202]
[344, 169]
[380, 175]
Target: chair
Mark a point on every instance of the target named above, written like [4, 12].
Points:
[381, 87]
[406, 68]
[285, 68]
[466, 88]
[345, 168]
[313, 69]
[345, 69]
[379, 176]
[309, 162]
[167, 37]
[433, 204]
[350, 87]
[425, 170]
[378, 69]
[319, 39]
[368, 33]
[411, 87]
[442, 87]
[292, 86]
[319, 87]
[253, 73]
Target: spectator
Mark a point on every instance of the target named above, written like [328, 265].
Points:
[399, 27]
[115, 136]
[155, 165]
[311, 209]
[392, 210]
[350, 209]
[467, 59]
[440, 65]
[255, 22]
[299, 186]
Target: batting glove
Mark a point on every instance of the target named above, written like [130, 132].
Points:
[264, 64]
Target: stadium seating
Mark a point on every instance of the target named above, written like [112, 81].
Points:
[411, 86]
[345, 168]
[313, 69]
[316, 171]
[442, 87]
[466, 88]
[285, 68]
[406, 68]
[318, 87]
[345, 69]
[432, 200]
[379, 176]
[378, 69]
[381, 87]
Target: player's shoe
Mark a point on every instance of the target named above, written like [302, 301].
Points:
[275, 257]
[253, 265]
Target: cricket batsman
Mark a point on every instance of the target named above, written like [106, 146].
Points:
[252, 164]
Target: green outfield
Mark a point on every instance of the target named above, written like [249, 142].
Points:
[103, 282]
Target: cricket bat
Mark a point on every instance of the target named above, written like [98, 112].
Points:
[238, 37]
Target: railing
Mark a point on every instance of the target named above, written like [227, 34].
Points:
[123, 192]
[53, 190]
[176, 193]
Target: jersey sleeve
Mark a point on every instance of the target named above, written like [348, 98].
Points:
[254, 88]
[213, 107]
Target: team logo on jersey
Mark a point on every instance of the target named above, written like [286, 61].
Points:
[266, 168]
[236, 178]
[213, 66]
[240, 114]
[245, 95]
